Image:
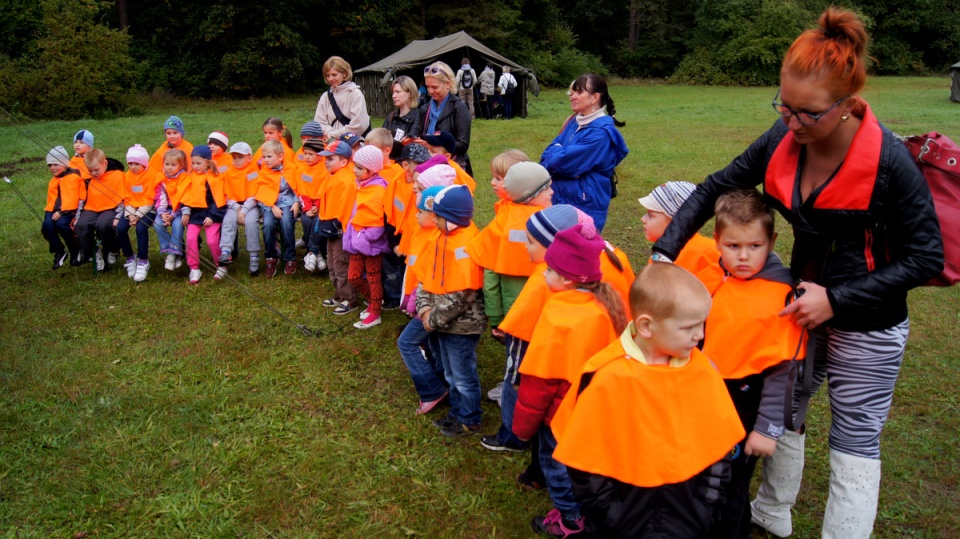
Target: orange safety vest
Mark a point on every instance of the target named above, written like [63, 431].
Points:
[408, 224]
[399, 194]
[193, 193]
[462, 177]
[268, 184]
[77, 163]
[289, 157]
[697, 254]
[239, 185]
[572, 327]
[224, 162]
[417, 239]
[743, 334]
[339, 194]
[620, 281]
[502, 245]
[140, 189]
[310, 180]
[368, 209]
[171, 186]
[646, 425]
[70, 188]
[444, 265]
[105, 193]
[156, 161]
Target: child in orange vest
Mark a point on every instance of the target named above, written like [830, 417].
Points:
[662, 204]
[646, 429]
[395, 176]
[310, 131]
[66, 192]
[82, 143]
[338, 197]
[174, 132]
[171, 243]
[279, 204]
[274, 129]
[102, 210]
[450, 302]
[312, 179]
[364, 237]
[444, 144]
[140, 186]
[581, 317]
[240, 188]
[750, 344]
[203, 204]
[218, 142]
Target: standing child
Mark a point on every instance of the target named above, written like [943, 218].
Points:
[278, 203]
[174, 132]
[581, 317]
[646, 429]
[444, 144]
[395, 176]
[312, 180]
[82, 143]
[240, 187]
[750, 344]
[102, 210]
[65, 195]
[450, 302]
[338, 197]
[364, 235]
[218, 143]
[662, 204]
[171, 243]
[140, 190]
[203, 205]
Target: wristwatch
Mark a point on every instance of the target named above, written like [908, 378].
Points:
[657, 257]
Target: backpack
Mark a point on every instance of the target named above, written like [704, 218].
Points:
[939, 159]
[511, 84]
[466, 80]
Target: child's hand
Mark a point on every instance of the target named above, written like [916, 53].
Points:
[295, 209]
[207, 222]
[312, 212]
[55, 216]
[116, 222]
[759, 445]
[166, 218]
[277, 212]
[425, 317]
[239, 218]
[133, 220]
[185, 220]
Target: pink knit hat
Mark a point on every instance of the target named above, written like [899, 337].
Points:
[370, 158]
[442, 175]
[138, 154]
[432, 162]
[575, 254]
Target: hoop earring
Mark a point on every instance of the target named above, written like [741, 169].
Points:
[845, 117]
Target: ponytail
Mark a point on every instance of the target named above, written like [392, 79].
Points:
[610, 299]
[595, 84]
[612, 257]
[287, 137]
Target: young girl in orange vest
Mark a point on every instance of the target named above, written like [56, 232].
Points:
[139, 193]
[203, 204]
[273, 129]
[82, 143]
[171, 243]
[364, 236]
[581, 318]
[174, 132]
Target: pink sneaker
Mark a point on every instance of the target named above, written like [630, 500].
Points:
[555, 525]
[426, 407]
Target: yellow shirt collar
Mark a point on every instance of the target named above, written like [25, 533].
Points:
[633, 351]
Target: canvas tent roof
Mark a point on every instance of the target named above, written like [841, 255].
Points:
[422, 52]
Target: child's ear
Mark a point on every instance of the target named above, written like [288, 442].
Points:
[644, 325]
[773, 240]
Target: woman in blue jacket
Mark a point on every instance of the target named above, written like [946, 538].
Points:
[581, 160]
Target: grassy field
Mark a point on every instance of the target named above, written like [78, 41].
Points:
[167, 410]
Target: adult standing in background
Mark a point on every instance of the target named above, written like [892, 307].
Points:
[582, 158]
[342, 109]
[446, 112]
[507, 87]
[865, 232]
[466, 80]
[404, 122]
[487, 89]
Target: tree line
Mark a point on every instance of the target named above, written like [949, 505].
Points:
[75, 58]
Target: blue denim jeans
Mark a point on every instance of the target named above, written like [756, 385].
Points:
[508, 401]
[287, 233]
[171, 243]
[143, 236]
[459, 355]
[427, 373]
[558, 481]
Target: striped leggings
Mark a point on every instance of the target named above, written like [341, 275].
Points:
[861, 369]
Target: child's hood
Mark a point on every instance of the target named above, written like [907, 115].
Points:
[114, 164]
[773, 270]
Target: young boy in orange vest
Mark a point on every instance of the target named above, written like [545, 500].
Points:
[751, 345]
[279, 206]
[240, 187]
[312, 179]
[646, 430]
[82, 143]
[450, 302]
[66, 192]
[662, 204]
[102, 210]
[338, 197]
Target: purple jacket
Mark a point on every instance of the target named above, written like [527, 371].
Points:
[371, 241]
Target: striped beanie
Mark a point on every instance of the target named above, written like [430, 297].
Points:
[668, 197]
[545, 224]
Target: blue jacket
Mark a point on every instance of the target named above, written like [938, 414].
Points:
[581, 163]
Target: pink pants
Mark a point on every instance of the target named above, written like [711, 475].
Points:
[193, 245]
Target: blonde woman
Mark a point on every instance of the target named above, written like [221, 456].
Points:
[404, 123]
[347, 112]
[444, 111]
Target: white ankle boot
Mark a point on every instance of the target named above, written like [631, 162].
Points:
[781, 482]
[854, 490]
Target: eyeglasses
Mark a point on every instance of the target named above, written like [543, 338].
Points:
[805, 118]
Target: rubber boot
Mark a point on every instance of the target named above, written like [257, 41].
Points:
[854, 491]
[781, 475]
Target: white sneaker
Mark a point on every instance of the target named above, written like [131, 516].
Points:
[98, 260]
[112, 258]
[321, 263]
[131, 266]
[364, 313]
[300, 244]
[195, 275]
[178, 262]
[369, 322]
[140, 274]
[310, 262]
[170, 263]
[495, 393]
[221, 273]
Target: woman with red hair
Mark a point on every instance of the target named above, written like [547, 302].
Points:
[865, 233]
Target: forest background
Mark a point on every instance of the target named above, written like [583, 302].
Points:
[68, 59]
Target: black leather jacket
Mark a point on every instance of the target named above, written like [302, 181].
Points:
[867, 260]
[409, 123]
[455, 119]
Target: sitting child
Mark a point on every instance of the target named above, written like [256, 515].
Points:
[174, 132]
[312, 179]
[102, 211]
[202, 204]
[65, 195]
[82, 143]
[140, 190]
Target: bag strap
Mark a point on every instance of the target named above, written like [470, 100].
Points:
[796, 424]
[344, 121]
[929, 150]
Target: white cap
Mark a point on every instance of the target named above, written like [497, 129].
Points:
[241, 148]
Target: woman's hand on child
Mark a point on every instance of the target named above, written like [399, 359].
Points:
[812, 308]
[759, 445]
[277, 212]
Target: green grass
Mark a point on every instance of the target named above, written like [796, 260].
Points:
[162, 409]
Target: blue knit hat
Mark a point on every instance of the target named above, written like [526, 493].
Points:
[311, 129]
[85, 136]
[454, 204]
[174, 123]
[426, 197]
[545, 224]
[202, 151]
